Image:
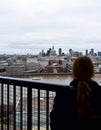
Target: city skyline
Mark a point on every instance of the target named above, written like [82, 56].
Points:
[61, 52]
[28, 26]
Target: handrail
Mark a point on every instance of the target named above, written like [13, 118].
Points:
[32, 83]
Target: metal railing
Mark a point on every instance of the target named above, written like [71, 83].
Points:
[26, 104]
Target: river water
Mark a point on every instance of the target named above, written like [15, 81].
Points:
[62, 79]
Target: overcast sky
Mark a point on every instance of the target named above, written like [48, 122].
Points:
[28, 26]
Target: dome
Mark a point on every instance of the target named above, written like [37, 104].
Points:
[52, 52]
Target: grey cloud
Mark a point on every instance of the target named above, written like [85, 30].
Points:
[25, 24]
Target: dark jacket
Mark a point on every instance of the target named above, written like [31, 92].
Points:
[63, 114]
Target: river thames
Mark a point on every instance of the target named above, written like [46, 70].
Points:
[61, 79]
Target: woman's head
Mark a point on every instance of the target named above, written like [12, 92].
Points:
[83, 68]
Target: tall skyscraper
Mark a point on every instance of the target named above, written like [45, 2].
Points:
[60, 51]
[92, 52]
[86, 52]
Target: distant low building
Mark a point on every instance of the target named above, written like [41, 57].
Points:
[55, 66]
[15, 70]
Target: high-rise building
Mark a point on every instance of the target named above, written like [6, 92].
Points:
[92, 52]
[60, 51]
[86, 52]
[71, 52]
[99, 53]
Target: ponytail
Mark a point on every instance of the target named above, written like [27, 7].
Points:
[83, 103]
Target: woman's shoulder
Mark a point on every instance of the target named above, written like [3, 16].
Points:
[74, 82]
[94, 84]
[90, 82]
[94, 81]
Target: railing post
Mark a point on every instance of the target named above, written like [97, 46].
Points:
[8, 107]
[29, 108]
[38, 109]
[14, 108]
[2, 112]
[47, 110]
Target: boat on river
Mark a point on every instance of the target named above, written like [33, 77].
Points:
[36, 78]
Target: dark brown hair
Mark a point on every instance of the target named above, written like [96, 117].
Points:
[83, 70]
